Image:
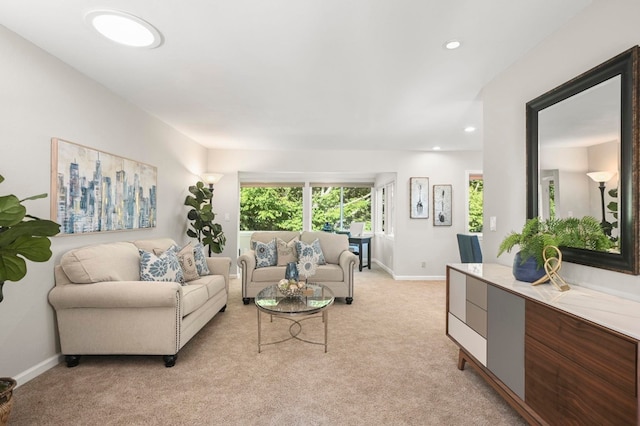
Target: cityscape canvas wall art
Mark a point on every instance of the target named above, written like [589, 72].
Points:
[94, 191]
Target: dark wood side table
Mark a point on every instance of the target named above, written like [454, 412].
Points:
[360, 241]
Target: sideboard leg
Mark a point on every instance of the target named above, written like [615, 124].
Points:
[461, 360]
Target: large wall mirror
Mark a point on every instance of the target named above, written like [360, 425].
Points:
[582, 158]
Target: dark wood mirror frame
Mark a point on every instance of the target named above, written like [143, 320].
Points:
[626, 66]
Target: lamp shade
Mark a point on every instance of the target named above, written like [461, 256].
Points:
[211, 178]
[601, 176]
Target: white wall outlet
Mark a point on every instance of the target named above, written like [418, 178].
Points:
[227, 217]
[492, 223]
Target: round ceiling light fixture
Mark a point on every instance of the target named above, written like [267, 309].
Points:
[452, 44]
[124, 28]
[469, 129]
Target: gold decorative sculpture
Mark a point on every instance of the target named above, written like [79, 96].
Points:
[552, 265]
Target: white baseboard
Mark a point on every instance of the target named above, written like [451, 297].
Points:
[419, 277]
[409, 277]
[37, 369]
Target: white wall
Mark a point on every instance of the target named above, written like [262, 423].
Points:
[600, 32]
[415, 240]
[44, 98]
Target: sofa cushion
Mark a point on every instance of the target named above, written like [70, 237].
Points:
[266, 254]
[154, 244]
[200, 256]
[332, 244]
[272, 275]
[164, 267]
[213, 283]
[188, 263]
[118, 261]
[329, 272]
[287, 251]
[266, 236]
[193, 296]
[313, 249]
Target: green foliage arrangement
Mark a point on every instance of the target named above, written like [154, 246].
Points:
[585, 233]
[22, 236]
[202, 216]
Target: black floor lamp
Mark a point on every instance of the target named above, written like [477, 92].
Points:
[601, 178]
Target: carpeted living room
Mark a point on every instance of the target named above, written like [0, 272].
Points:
[432, 112]
[388, 362]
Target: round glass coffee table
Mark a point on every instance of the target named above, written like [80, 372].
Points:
[316, 300]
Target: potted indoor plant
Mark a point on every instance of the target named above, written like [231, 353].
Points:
[22, 236]
[538, 236]
[201, 214]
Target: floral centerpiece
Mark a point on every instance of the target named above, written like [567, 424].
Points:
[307, 265]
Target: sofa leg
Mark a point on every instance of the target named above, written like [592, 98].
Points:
[170, 360]
[224, 308]
[349, 300]
[72, 360]
[246, 300]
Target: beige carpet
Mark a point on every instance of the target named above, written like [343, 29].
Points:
[389, 363]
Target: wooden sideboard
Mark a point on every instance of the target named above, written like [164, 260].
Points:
[556, 357]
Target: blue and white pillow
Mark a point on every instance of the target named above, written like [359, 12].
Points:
[312, 249]
[266, 254]
[201, 259]
[163, 267]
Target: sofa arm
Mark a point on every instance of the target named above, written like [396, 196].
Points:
[220, 266]
[116, 294]
[347, 259]
[247, 261]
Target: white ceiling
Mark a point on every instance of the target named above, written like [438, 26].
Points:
[296, 74]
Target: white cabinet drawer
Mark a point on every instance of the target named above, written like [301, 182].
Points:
[471, 341]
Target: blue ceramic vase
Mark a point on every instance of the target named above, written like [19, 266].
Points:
[291, 273]
[527, 271]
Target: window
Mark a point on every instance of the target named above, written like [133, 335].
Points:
[270, 208]
[339, 206]
[474, 201]
[281, 206]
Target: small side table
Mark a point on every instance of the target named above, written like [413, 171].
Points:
[360, 241]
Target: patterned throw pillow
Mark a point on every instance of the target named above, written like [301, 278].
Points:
[266, 254]
[164, 267]
[312, 249]
[188, 263]
[286, 251]
[201, 259]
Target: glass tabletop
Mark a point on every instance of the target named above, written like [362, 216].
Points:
[271, 300]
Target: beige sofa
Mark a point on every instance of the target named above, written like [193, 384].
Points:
[337, 273]
[103, 308]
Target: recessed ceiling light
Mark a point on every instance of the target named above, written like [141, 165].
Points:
[436, 148]
[124, 28]
[452, 44]
[469, 129]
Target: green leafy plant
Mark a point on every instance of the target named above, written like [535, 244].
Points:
[537, 235]
[202, 216]
[22, 236]
[613, 209]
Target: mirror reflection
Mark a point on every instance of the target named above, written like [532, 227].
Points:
[583, 142]
[579, 156]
